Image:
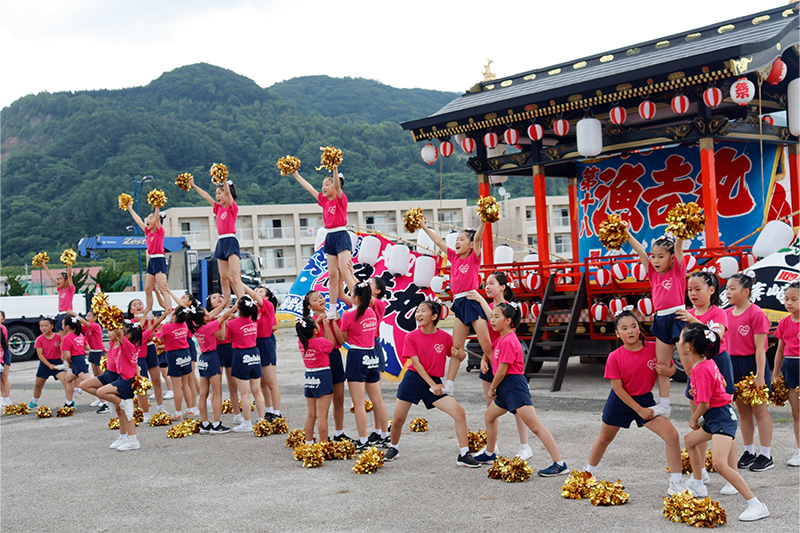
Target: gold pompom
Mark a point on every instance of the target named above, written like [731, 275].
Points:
[279, 426]
[510, 470]
[219, 173]
[138, 416]
[608, 493]
[124, 201]
[68, 257]
[331, 158]
[184, 429]
[43, 412]
[288, 165]
[312, 455]
[686, 464]
[612, 232]
[113, 423]
[344, 450]
[40, 259]
[747, 392]
[369, 461]
[19, 409]
[413, 219]
[227, 407]
[160, 419]
[498, 468]
[780, 394]
[184, 181]
[159, 343]
[578, 485]
[65, 411]
[697, 512]
[104, 363]
[488, 209]
[296, 438]
[419, 425]
[99, 301]
[262, 428]
[111, 317]
[141, 385]
[686, 221]
[709, 462]
[157, 198]
[367, 405]
[476, 440]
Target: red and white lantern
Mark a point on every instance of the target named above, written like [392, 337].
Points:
[445, 312]
[645, 306]
[639, 272]
[599, 312]
[602, 276]
[743, 91]
[535, 132]
[680, 104]
[446, 148]
[524, 309]
[561, 127]
[747, 261]
[511, 136]
[533, 282]
[691, 262]
[620, 271]
[536, 311]
[647, 110]
[429, 153]
[490, 140]
[712, 97]
[768, 119]
[618, 115]
[778, 72]
[617, 305]
[468, 145]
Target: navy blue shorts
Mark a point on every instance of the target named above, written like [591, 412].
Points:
[489, 376]
[44, 372]
[59, 321]
[267, 349]
[318, 383]
[380, 353]
[157, 265]
[108, 377]
[362, 366]
[227, 247]
[95, 356]
[616, 413]
[124, 388]
[152, 356]
[208, 365]
[162, 359]
[413, 389]
[337, 242]
[791, 372]
[668, 328]
[192, 350]
[723, 361]
[142, 364]
[79, 365]
[337, 367]
[225, 352]
[467, 311]
[179, 363]
[721, 421]
[513, 393]
[246, 363]
[743, 365]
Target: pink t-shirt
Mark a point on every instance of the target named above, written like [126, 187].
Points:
[266, 319]
[93, 333]
[242, 333]
[508, 350]
[742, 328]
[321, 333]
[318, 353]
[206, 336]
[432, 349]
[720, 317]
[155, 240]
[65, 298]
[334, 212]
[147, 335]
[226, 218]
[464, 274]
[669, 288]
[126, 359]
[380, 311]
[708, 385]
[789, 332]
[636, 370]
[175, 336]
[361, 332]
[493, 335]
[51, 348]
[74, 344]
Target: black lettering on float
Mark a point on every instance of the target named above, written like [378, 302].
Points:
[404, 303]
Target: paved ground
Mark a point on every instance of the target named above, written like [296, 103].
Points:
[58, 474]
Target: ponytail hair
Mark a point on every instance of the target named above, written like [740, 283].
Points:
[305, 330]
[195, 318]
[380, 285]
[470, 232]
[710, 279]
[703, 339]
[511, 310]
[231, 186]
[364, 293]
[180, 314]
[133, 331]
[435, 309]
[270, 297]
[73, 322]
[502, 280]
[247, 308]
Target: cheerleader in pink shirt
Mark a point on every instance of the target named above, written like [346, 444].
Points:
[318, 384]
[66, 292]
[175, 335]
[120, 392]
[267, 348]
[48, 349]
[787, 358]
[73, 351]
[5, 384]
[246, 367]
[156, 278]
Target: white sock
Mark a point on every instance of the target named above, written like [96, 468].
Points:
[449, 383]
[338, 432]
[464, 450]
[269, 409]
[132, 438]
[160, 407]
[674, 478]
[123, 436]
[561, 463]
[664, 401]
[362, 440]
[277, 412]
[704, 472]
[591, 469]
[309, 442]
[766, 451]
[395, 446]
[216, 423]
[384, 434]
[36, 400]
[754, 501]
[751, 448]
[697, 482]
[496, 449]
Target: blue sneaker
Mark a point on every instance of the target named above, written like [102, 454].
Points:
[485, 458]
[554, 469]
[33, 404]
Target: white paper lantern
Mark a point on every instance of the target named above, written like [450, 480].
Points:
[320, 240]
[437, 284]
[590, 137]
[459, 138]
[503, 254]
[793, 109]
[691, 262]
[620, 271]
[450, 240]
[743, 91]
[423, 239]
[773, 237]
[370, 250]
[353, 242]
[398, 261]
[429, 153]
[727, 266]
[424, 269]
[531, 258]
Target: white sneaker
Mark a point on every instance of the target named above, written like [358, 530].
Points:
[330, 314]
[449, 389]
[146, 418]
[119, 442]
[194, 411]
[699, 492]
[238, 419]
[244, 428]
[62, 366]
[127, 408]
[754, 512]
[690, 477]
[95, 403]
[169, 395]
[795, 460]
[129, 445]
[525, 452]
[77, 393]
[662, 410]
[728, 490]
[676, 487]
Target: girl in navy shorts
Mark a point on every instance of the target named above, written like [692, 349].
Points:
[120, 391]
[632, 370]
[510, 391]
[267, 348]
[137, 312]
[318, 382]
[48, 348]
[225, 352]
[246, 368]
[156, 278]
[175, 335]
[700, 344]
[787, 358]
[73, 351]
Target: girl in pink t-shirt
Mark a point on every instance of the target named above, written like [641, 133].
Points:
[337, 248]
[318, 382]
[156, 278]
[48, 349]
[5, 384]
[465, 265]
[267, 348]
[66, 292]
[246, 365]
[127, 341]
[787, 358]
[633, 370]
[747, 343]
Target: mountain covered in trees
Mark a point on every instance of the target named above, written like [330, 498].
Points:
[66, 156]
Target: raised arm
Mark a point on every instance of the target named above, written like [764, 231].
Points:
[136, 218]
[156, 219]
[477, 240]
[337, 183]
[69, 276]
[637, 247]
[437, 240]
[49, 273]
[223, 318]
[254, 295]
[216, 311]
[203, 194]
[310, 188]
[679, 252]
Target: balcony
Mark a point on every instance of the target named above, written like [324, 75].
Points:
[244, 235]
[282, 233]
[199, 239]
[308, 232]
[384, 227]
[278, 263]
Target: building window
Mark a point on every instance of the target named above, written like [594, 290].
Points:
[561, 218]
[193, 232]
[277, 259]
[274, 229]
[306, 252]
[563, 244]
[533, 241]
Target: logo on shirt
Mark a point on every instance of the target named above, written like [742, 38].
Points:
[179, 334]
[667, 284]
[368, 324]
[250, 329]
[223, 215]
[651, 364]
[692, 390]
[744, 329]
[62, 295]
[438, 347]
[463, 269]
[332, 210]
[249, 359]
[312, 383]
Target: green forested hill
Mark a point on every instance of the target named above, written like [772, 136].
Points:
[66, 156]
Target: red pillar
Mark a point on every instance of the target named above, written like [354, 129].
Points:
[484, 190]
[540, 203]
[794, 181]
[708, 182]
[573, 217]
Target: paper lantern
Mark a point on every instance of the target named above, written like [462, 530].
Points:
[511, 136]
[561, 127]
[768, 119]
[370, 250]
[429, 153]
[424, 240]
[490, 140]
[590, 137]
[743, 91]
[320, 239]
[680, 104]
[533, 282]
[777, 73]
[353, 242]
[691, 262]
[445, 312]
[620, 271]
[524, 309]
[599, 312]
[424, 269]
[459, 138]
[727, 266]
[639, 272]
[536, 311]
[398, 262]
[793, 108]
[446, 148]
[647, 110]
[437, 284]
[468, 145]
[503, 254]
[618, 115]
[602, 276]
[531, 258]
[747, 261]
[450, 240]
[775, 236]
[645, 306]
[535, 132]
[616, 305]
[712, 97]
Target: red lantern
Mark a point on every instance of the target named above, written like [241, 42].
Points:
[490, 140]
[747, 261]
[446, 148]
[561, 127]
[468, 145]
[743, 91]
[535, 132]
[712, 97]
[617, 305]
[647, 109]
[536, 310]
[620, 271]
[533, 282]
[691, 262]
[778, 72]
[645, 306]
[445, 312]
[511, 136]
[768, 119]
[524, 308]
[618, 115]
[429, 153]
[602, 276]
[639, 272]
[599, 312]
[680, 104]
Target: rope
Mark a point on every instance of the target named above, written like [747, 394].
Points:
[392, 237]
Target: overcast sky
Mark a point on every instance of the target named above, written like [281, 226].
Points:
[58, 45]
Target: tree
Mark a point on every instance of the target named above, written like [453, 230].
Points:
[15, 285]
[108, 277]
[79, 279]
